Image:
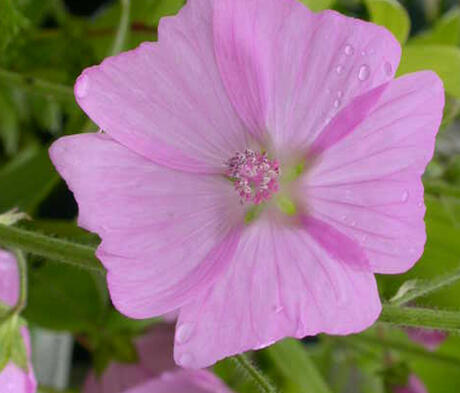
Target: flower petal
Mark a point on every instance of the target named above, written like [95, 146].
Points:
[166, 100]
[9, 278]
[116, 379]
[288, 70]
[165, 233]
[280, 283]
[183, 382]
[368, 184]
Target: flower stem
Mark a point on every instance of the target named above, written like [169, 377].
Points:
[410, 349]
[123, 28]
[260, 380]
[421, 317]
[427, 286]
[48, 247]
[36, 85]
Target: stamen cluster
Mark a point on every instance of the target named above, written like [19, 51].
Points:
[255, 176]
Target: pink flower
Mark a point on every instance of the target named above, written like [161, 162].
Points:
[430, 339]
[414, 385]
[155, 372]
[155, 357]
[12, 378]
[258, 165]
[186, 381]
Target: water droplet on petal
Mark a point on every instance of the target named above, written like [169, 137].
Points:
[363, 53]
[278, 308]
[185, 360]
[405, 196]
[336, 103]
[420, 204]
[349, 50]
[353, 223]
[388, 68]
[184, 332]
[339, 69]
[82, 86]
[364, 72]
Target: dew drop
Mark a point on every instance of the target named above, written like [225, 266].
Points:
[277, 309]
[364, 72]
[185, 359]
[363, 53]
[388, 68]
[184, 332]
[337, 103]
[420, 204]
[82, 86]
[349, 50]
[405, 196]
[339, 69]
[353, 223]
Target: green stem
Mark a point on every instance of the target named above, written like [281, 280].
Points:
[36, 85]
[425, 287]
[406, 348]
[123, 28]
[48, 247]
[421, 317]
[260, 380]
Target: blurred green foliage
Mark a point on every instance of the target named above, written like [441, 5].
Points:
[42, 42]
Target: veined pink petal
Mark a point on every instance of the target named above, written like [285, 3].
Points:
[165, 234]
[280, 283]
[183, 382]
[368, 184]
[289, 71]
[166, 100]
[9, 278]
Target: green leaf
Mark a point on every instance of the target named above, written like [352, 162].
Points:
[9, 122]
[12, 347]
[318, 5]
[27, 180]
[443, 59]
[64, 298]
[392, 15]
[446, 31]
[11, 22]
[293, 361]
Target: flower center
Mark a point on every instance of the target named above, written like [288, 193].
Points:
[254, 175]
